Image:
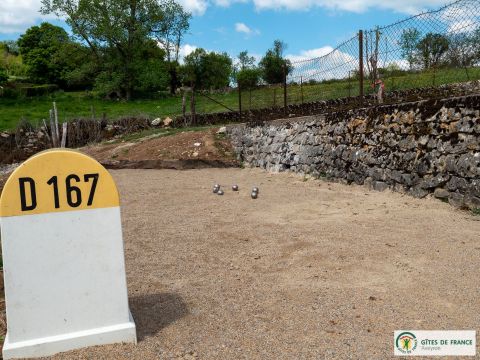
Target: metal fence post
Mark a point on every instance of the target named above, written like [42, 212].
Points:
[360, 55]
[285, 100]
[301, 87]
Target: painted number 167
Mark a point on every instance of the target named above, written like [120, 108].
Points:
[73, 193]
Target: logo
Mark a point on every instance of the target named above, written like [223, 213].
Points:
[406, 342]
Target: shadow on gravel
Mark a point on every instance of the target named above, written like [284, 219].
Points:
[153, 312]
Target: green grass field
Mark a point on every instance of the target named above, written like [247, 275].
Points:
[80, 104]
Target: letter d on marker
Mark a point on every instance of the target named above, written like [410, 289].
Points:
[23, 195]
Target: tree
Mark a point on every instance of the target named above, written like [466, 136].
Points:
[207, 70]
[431, 49]
[409, 45]
[38, 47]
[273, 66]
[116, 31]
[246, 61]
[247, 74]
[248, 78]
[169, 28]
[10, 59]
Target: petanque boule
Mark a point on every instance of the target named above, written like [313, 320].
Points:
[256, 189]
[215, 190]
[235, 187]
[220, 192]
[254, 195]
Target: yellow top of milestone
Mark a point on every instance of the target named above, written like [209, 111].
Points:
[57, 181]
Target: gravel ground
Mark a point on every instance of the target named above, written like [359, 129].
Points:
[310, 270]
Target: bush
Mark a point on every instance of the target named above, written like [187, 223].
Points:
[3, 77]
[39, 90]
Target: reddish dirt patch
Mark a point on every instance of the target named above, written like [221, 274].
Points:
[205, 148]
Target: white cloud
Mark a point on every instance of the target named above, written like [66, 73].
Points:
[226, 3]
[310, 54]
[18, 15]
[321, 64]
[196, 7]
[186, 50]
[242, 28]
[403, 6]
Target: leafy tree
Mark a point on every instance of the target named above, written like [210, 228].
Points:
[38, 47]
[169, 27]
[247, 75]
[116, 31]
[246, 61]
[207, 70]
[431, 49]
[10, 46]
[464, 49]
[248, 78]
[409, 45]
[273, 65]
[79, 68]
[10, 60]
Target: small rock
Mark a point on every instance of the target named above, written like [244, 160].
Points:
[167, 121]
[457, 200]
[418, 192]
[222, 130]
[380, 186]
[157, 122]
[441, 193]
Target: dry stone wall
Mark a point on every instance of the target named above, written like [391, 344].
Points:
[421, 148]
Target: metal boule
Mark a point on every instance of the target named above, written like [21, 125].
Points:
[256, 189]
[254, 195]
[220, 192]
[235, 187]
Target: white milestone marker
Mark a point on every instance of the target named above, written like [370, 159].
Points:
[64, 267]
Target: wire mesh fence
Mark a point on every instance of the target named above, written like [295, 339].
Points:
[430, 49]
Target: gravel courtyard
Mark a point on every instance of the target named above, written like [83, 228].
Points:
[310, 270]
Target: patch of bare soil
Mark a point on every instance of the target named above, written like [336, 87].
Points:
[310, 270]
[185, 150]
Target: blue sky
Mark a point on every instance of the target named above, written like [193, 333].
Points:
[309, 27]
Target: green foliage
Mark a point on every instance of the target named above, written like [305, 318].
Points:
[10, 60]
[248, 78]
[273, 66]
[39, 47]
[207, 70]
[409, 43]
[169, 31]
[431, 49]
[118, 34]
[3, 76]
[246, 61]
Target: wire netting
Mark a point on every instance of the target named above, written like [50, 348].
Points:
[430, 49]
